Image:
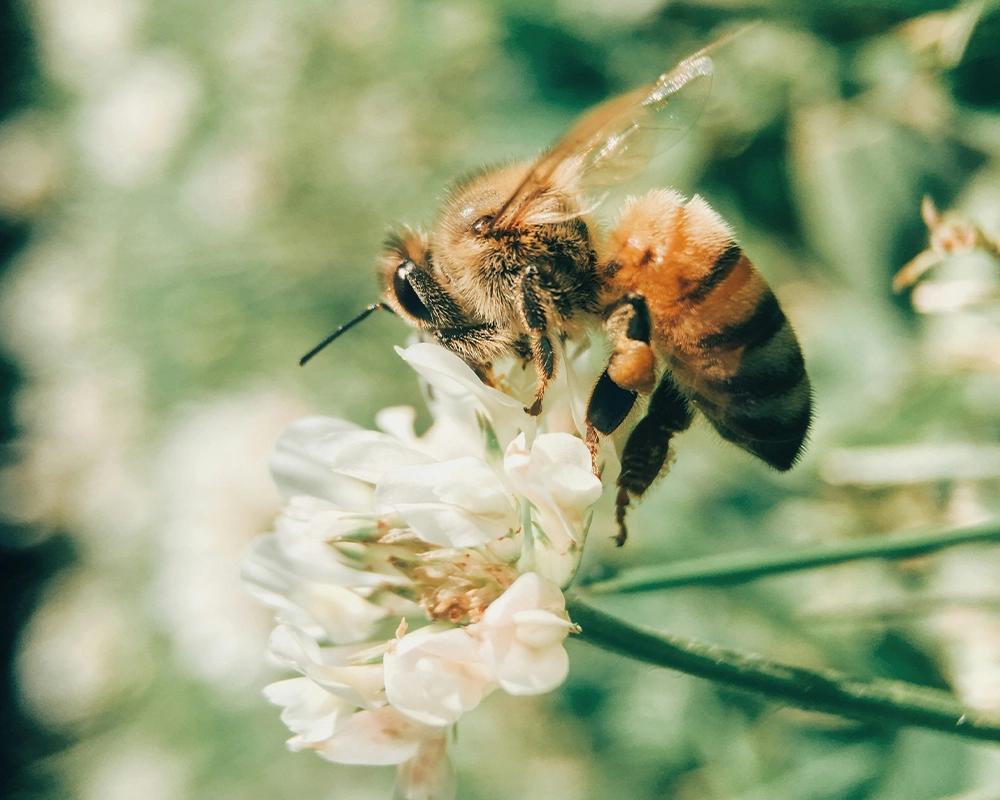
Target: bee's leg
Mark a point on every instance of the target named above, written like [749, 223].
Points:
[535, 319]
[522, 349]
[608, 406]
[632, 369]
[476, 345]
[439, 308]
[485, 373]
[593, 442]
[648, 445]
[632, 365]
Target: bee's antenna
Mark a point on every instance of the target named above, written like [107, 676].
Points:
[344, 329]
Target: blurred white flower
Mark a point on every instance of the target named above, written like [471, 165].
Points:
[82, 652]
[213, 491]
[82, 42]
[969, 630]
[133, 764]
[127, 133]
[29, 164]
[228, 185]
[970, 640]
[465, 532]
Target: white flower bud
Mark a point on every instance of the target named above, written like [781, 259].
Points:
[434, 675]
[522, 634]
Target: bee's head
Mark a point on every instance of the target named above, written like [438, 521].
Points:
[403, 271]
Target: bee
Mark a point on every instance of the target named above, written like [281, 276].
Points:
[516, 259]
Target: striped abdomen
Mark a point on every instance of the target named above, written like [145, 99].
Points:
[737, 355]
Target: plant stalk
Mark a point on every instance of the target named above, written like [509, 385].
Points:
[727, 568]
[881, 701]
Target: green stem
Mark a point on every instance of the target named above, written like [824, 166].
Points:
[886, 702]
[746, 566]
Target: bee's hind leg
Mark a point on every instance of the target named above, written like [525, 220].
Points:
[631, 370]
[648, 446]
[608, 406]
[632, 365]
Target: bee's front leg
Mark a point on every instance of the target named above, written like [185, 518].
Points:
[533, 313]
[476, 345]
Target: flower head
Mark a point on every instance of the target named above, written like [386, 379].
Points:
[413, 575]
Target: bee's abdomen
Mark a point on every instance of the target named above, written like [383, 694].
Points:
[752, 381]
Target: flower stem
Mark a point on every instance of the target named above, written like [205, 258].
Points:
[746, 566]
[887, 702]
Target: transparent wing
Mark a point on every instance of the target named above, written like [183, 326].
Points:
[616, 139]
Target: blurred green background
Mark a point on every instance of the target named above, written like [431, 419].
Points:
[192, 193]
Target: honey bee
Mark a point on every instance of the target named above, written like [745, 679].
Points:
[516, 259]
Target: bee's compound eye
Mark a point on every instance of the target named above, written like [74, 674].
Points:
[482, 225]
[407, 297]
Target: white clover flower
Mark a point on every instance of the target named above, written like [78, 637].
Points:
[382, 736]
[305, 594]
[434, 675]
[346, 670]
[310, 711]
[457, 503]
[460, 399]
[555, 476]
[522, 635]
[464, 534]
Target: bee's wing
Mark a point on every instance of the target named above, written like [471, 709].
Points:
[613, 140]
